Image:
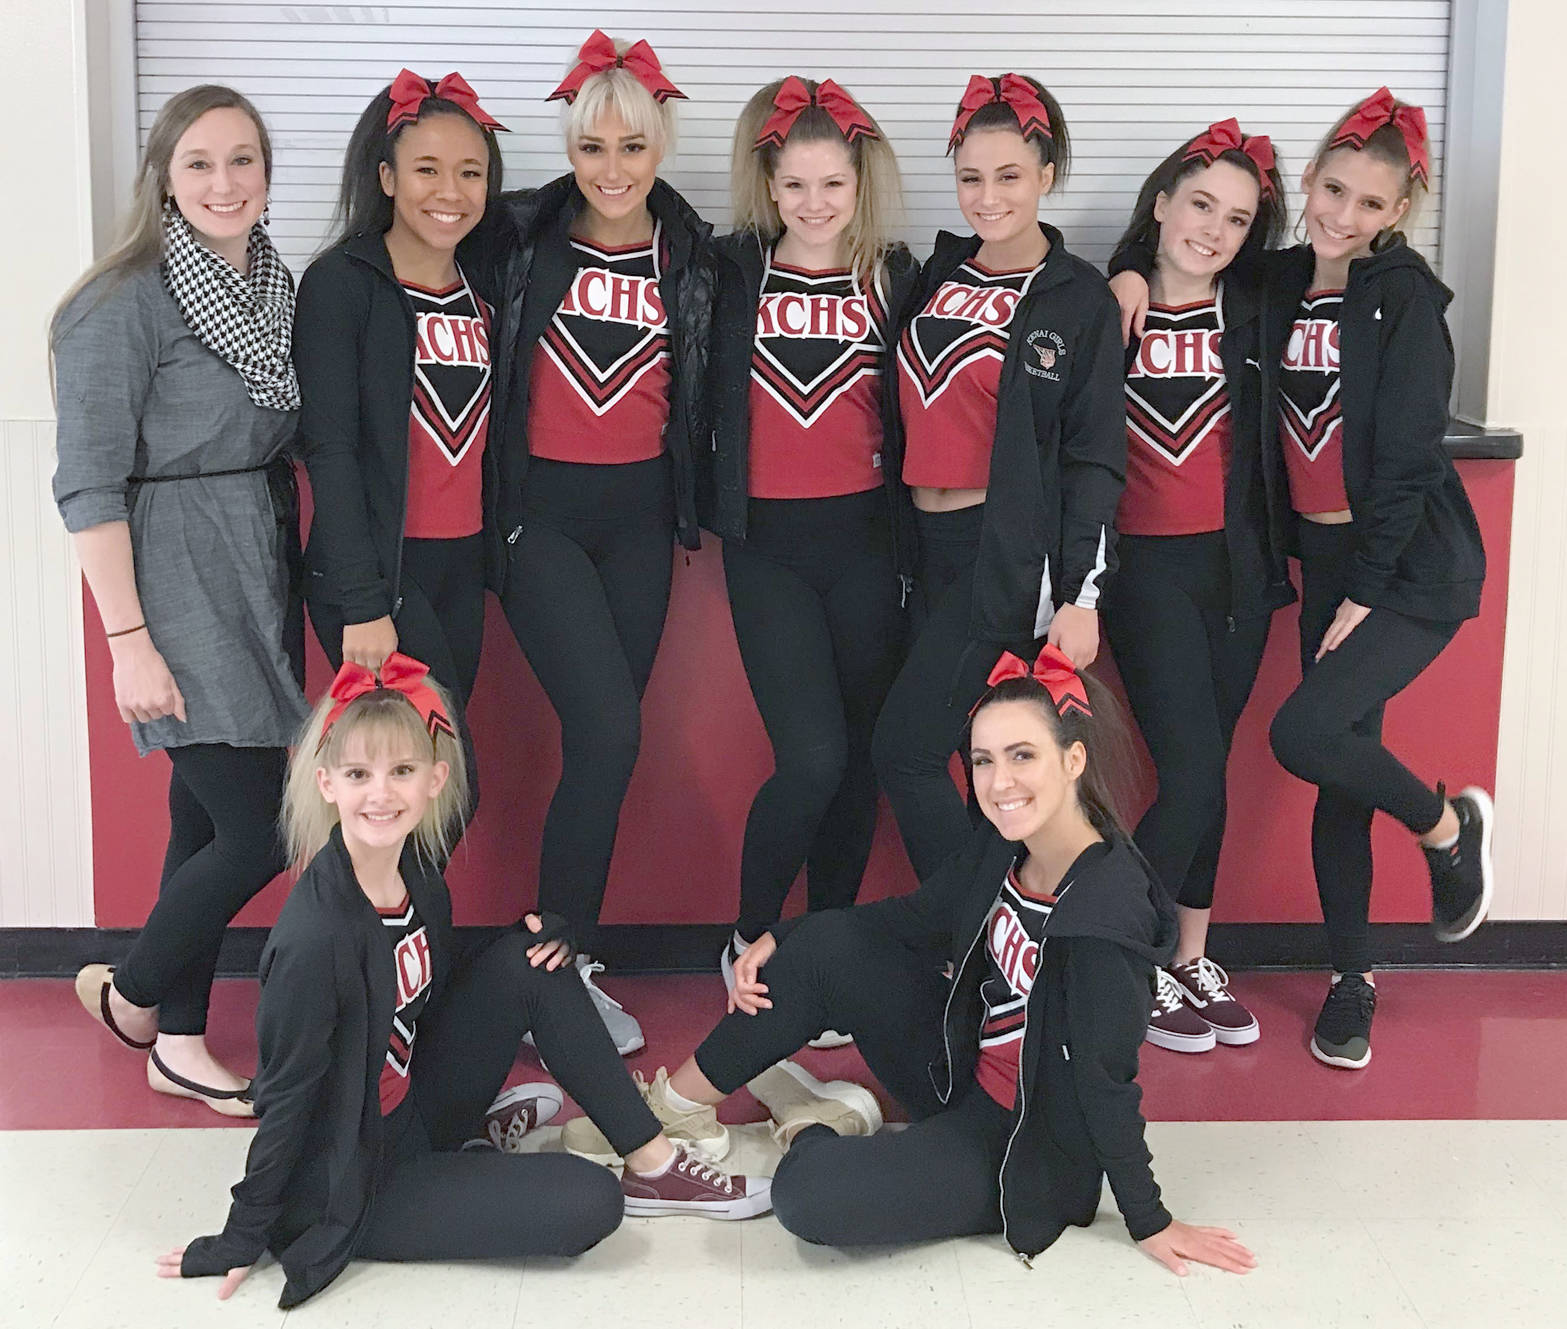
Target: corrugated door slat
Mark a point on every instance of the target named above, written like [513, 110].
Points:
[1134, 77]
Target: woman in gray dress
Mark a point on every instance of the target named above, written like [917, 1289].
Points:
[176, 399]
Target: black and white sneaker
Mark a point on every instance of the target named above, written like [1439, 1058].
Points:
[1462, 878]
[1343, 1034]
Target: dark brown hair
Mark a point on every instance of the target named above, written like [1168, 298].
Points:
[1054, 149]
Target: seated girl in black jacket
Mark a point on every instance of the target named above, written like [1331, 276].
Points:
[1020, 1073]
[382, 1046]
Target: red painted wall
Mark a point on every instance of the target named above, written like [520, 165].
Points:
[704, 754]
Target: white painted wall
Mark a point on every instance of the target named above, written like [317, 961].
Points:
[46, 240]
[1525, 392]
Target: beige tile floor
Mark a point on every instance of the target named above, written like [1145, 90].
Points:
[1387, 1224]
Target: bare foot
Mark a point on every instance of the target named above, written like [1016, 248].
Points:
[187, 1055]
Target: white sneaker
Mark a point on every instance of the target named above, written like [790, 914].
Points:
[831, 1038]
[796, 1099]
[726, 964]
[622, 1027]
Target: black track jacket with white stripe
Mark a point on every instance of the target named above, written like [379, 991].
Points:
[1058, 459]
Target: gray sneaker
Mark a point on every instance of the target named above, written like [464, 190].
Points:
[626, 1032]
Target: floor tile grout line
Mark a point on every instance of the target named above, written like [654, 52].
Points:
[1376, 1245]
[108, 1228]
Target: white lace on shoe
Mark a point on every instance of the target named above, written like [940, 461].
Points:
[508, 1138]
[586, 969]
[1167, 995]
[1212, 982]
[694, 1165]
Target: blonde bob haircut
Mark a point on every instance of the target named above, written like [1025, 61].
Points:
[878, 199]
[620, 91]
[386, 722]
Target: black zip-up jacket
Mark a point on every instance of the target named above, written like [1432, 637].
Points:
[1257, 516]
[1078, 1113]
[533, 268]
[354, 337]
[1419, 550]
[725, 482]
[1058, 460]
[328, 995]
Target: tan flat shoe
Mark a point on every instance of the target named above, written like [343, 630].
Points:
[227, 1102]
[92, 990]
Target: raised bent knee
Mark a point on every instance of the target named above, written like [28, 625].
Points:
[1297, 743]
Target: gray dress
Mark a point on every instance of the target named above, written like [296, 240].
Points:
[138, 394]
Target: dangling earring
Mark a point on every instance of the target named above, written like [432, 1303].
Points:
[266, 213]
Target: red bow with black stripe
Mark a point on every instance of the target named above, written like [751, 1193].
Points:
[793, 98]
[1382, 108]
[410, 92]
[598, 54]
[1053, 671]
[398, 673]
[1225, 136]
[1011, 90]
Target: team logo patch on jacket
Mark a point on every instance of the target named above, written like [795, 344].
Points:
[1310, 413]
[966, 320]
[816, 335]
[1176, 394]
[612, 327]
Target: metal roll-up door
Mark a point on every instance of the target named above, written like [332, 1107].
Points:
[1133, 80]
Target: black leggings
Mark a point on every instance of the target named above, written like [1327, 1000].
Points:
[440, 622]
[1188, 668]
[436, 1203]
[223, 848]
[925, 713]
[1329, 733]
[940, 1177]
[587, 588]
[814, 598]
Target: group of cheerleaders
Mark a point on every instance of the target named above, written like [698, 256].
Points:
[929, 482]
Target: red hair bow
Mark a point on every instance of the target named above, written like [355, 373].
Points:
[1382, 108]
[1011, 90]
[399, 673]
[598, 54]
[1225, 136]
[794, 97]
[410, 92]
[1053, 672]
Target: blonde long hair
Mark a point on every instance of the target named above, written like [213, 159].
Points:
[386, 721]
[139, 241]
[878, 199]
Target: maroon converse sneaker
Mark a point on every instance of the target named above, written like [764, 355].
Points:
[1206, 989]
[690, 1186]
[516, 1112]
[1174, 1024]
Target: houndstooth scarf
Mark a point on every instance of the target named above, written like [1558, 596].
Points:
[247, 320]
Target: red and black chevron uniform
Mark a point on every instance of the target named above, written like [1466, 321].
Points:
[1177, 424]
[411, 961]
[1311, 416]
[600, 374]
[949, 370]
[1014, 933]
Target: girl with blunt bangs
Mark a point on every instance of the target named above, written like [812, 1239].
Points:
[1358, 363]
[604, 287]
[183, 521]
[392, 345]
[384, 1041]
[1202, 533]
[1009, 393]
[1019, 1075]
[805, 490]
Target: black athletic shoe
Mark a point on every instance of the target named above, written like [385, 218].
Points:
[1343, 1034]
[1461, 875]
